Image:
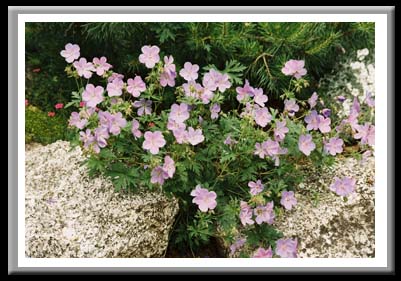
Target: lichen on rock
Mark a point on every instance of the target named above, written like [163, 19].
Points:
[68, 214]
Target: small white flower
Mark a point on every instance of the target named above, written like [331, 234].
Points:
[361, 54]
[355, 92]
[355, 65]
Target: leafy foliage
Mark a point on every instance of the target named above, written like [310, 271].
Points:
[260, 48]
[235, 149]
[43, 129]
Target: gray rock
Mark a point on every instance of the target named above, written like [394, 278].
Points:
[68, 214]
[325, 224]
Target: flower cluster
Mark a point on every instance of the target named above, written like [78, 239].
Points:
[285, 248]
[262, 213]
[166, 171]
[176, 128]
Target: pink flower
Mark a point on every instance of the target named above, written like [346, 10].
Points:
[144, 107]
[204, 198]
[169, 66]
[181, 135]
[312, 100]
[190, 71]
[104, 118]
[288, 199]
[237, 245]
[312, 120]
[294, 68]
[280, 131]
[59, 106]
[334, 146]
[192, 89]
[26, 102]
[371, 135]
[280, 152]
[115, 88]
[172, 125]
[245, 214]
[153, 141]
[259, 97]
[214, 79]
[195, 137]
[365, 157]
[51, 114]
[262, 117]
[324, 124]
[215, 109]
[287, 248]
[223, 83]
[352, 120]
[150, 56]
[101, 65]
[230, 141]
[86, 137]
[82, 104]
[169, 166]
[115, 123]
[135, 129]
[92, 96]
[344, 186]
[366, 133]
[135, 86]
[259, 150]
[305, 144]
[167, 77]
[263, 253]
[206, 95]
[87, 112]
[369, 100]
[70, 53]
[256, 187]
[158, 175]
[291, 107]
[265, 213]
[115, 76]
[244, 92]
[84, 68]
[179, 113]
[356, 107]
[75, 120]
[210, 80]
[101, 134]
[271, 148]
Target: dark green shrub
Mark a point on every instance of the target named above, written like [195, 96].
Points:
[262, 47]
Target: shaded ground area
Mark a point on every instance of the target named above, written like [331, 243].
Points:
[213, 250]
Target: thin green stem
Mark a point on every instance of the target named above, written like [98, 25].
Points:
[76, 82]
[289, 85]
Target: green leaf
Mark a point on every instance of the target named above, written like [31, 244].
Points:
[122, 176]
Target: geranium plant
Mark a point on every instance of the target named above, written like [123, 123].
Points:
[208, 138]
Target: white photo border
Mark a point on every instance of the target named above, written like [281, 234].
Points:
[381, 254]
